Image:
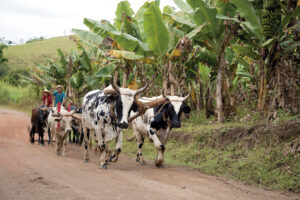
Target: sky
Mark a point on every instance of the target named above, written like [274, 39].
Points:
[25, 19]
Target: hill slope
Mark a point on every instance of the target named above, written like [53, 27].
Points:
[38, 52]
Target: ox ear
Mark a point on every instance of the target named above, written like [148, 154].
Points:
[185, 108]
[111, 98]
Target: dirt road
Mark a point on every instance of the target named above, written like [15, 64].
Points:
[35, 172]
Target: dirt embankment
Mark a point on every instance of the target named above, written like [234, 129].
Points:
[35, 172]
[287, 132]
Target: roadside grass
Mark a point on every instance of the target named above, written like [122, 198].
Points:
[199, 147]
[18, 98]
[38, 52]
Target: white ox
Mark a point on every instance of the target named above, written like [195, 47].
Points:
[65, 127]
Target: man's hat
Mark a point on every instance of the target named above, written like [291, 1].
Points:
[59, 86]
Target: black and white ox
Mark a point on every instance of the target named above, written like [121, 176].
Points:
[157, 122]
[60, 126]
[106, 112]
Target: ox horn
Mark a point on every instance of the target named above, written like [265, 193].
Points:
[133, 117]
[56, 115]
[147, 105]
[77, 116]
[139, 91]
[113, 83]
[164, 94]
[187, 96]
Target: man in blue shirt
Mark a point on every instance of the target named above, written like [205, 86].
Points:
[59, 96]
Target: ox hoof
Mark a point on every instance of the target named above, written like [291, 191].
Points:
[113, 158]
[158, 163]
[137, 158]
[104, 166]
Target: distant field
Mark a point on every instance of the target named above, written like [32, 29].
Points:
[38, 52]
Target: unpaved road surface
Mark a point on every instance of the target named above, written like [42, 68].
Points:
[35, 172]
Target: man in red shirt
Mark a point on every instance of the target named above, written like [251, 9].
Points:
[47, 99]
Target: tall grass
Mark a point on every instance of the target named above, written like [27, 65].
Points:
[20, 98]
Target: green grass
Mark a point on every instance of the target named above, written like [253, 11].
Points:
[38, 52]
[18, 98]
[265, 165]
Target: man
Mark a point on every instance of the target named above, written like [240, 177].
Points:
[47, 99]
[59, 96]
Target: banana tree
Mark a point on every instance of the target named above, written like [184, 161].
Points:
[269, 32]
[214, 37]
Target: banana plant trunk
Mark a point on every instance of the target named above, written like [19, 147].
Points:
[219, 95]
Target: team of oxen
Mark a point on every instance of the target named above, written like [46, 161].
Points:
[104, 114]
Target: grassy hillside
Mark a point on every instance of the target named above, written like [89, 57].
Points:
[38, 52]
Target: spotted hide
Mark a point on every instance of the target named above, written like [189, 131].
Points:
[157, 123]
[106, 112]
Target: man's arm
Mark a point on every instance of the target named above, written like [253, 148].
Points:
[64, 100]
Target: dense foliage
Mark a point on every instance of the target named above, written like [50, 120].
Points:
[232, 53]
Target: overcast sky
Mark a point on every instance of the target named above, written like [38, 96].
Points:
[24, 19]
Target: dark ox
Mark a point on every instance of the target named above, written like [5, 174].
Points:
[76, 128]
[157, 123]
[106, 112]
[38, 124]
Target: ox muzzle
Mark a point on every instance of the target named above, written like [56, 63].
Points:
[123, 125]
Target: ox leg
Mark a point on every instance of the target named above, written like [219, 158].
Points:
[115, 156]
[160, 148]
[98, 140]
[81, 137]
[86, 139]
[90, 136]
[140, 142]
[39, 140]
[41, 136]
[57, 143]
[75, 135]
[49, 136]
[52, 133]
[103, 146]
[64, 143]
[70, 137]
[103, 157]
[32, 134]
